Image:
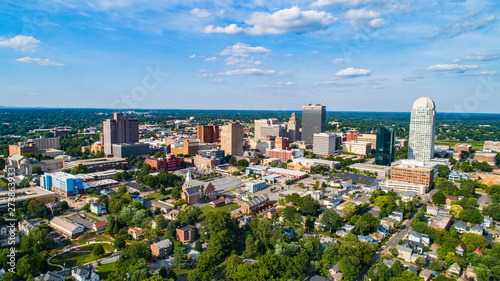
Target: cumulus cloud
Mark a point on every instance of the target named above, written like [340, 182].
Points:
[20, 42]
[192, 56]
[361, 17]
[39, 61]
[248, 71]
[243, 50]
[201, 13]
[452, 67]
[463, 25]
[353, 72]
[341, 61]
[210, 59]
[287, 21]
[230, 29]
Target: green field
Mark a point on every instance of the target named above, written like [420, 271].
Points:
[476, 145]
[79, 258]
[105, 270]
[157, 196]
[227, 208]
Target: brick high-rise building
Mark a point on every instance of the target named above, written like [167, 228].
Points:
[120, 129]
[282, 143]
[207, 133]
[414, 172]
[170, 163]
[232, 139]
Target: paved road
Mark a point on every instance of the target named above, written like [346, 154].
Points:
[403, 231]
[483, 200]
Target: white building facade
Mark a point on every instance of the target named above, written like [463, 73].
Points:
[422, 130]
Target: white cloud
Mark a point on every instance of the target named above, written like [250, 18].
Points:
[39, 61]
[463, 25]
[452, 67]
[483, 56]
[201, 13]
[230, 29]
[314, 52]
[288, 55]
[241, 61]
[210, 59]
[286, 83]
[486, 73]
[341, 61]
[248, 71]
[20, 42]
[353, 72]
[322, 3]
[288, 20]
[192, 56]
[216, 80]
[243, 50]
[361, 17]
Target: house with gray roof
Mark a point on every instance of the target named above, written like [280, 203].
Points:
[85, 273]
[50, 276]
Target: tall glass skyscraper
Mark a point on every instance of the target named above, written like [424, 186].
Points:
[422, 130]
[384, 153]
[313, 121]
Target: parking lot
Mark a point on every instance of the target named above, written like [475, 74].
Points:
[225, 184]
[358, 178]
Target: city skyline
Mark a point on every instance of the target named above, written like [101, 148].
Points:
[347, 55]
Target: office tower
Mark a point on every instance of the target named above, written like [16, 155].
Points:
[384, 152]
[313, 121]
[269, 127]
[232, 139]
[422, 130]
[293, 128]
[258, 124]
[207, 133]
[324, 144]
[120, 129]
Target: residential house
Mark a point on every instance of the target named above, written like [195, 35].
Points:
[408, 196]
[411, 268]
[99, 226]
[425, 274]
[471, 272]
[98, 208]
[218, 202]
[25, 227]
[432, 210]
[396, 215]
[244, 220]
[289, 233]
[487, 221]
[419, 237]
[193, 256]
[135, 232]
[460, 226]
[441, 222]
[85, 273]
[50, 276]
[172, 214]
[389, 263]
[416, 246]
[186, 234]
[383, 229]
[414, 258]
[449, 199]
[378, 237]
[476, 229]
[161, 249]
[478, 251]
[404, 252]
[367, 238]
[270, 213]
[334, 272]
[454, 270]
[345, 230]
[460, 249]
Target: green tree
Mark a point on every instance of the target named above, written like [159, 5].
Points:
[98, 250]
[331, 220]
[438, 198]
[181, 259]
[397, 268]
[37, 170]
[197, 246]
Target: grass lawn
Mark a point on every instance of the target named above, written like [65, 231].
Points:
[78, 258]
[182, 272]
[89, 216]
[228, 208]
[157, 196]
[105, 270]
[476, 145]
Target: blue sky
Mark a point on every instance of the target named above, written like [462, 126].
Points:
[350, 55]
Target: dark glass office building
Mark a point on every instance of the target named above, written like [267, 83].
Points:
[384, 154]
[313, 121]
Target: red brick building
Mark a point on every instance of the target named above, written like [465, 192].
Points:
[170, 163]
[22, 148]
[207, 133]
[205, 162]
[486, 156]
[258, 204]
[282, 143]
[463, 147]
[161, 249]
[186, 234]
[193, 191]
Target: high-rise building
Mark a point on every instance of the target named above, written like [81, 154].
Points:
[269, 127]
[282, 143]
[22, 148]
[293, 128]
[324, 144]
[120, 129]
[208, 133]
[232, 139]
[385, 149]
[313, 121]
[422, 130]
